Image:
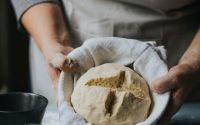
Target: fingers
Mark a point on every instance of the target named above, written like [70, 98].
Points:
[71, 66]
[164, 84]
[174, 79]
[64, 63]
[58, 61]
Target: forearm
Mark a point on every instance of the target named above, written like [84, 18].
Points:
[45, 23]
[192, 54]
[190, 61]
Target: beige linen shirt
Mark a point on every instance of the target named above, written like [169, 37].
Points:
[172, 23]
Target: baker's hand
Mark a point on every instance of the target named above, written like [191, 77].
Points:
[180, 80]
[56, 57]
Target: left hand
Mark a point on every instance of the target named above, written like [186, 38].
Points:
[55, 57]
[180, 80]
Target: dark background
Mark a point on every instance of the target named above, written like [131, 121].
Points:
[14, 69]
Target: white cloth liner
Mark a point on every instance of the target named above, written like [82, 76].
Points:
[146, 58]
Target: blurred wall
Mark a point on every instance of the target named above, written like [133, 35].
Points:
[14, 74]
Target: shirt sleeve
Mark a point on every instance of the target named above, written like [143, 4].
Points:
[21, 6]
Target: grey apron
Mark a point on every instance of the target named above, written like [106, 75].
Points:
[169, 23]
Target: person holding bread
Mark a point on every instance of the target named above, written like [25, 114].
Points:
[57, 27]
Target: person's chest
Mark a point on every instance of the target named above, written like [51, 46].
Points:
[163, 5]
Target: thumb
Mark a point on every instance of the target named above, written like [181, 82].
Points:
[58, 61]
[64, 63]
[164, 84]
[169, 81]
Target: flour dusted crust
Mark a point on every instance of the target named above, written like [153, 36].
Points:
[111, 94]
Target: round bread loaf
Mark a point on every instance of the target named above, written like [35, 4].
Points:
[111, 94]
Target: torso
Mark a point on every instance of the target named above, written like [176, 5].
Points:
[170, 23]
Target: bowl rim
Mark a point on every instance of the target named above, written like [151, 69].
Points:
[22, 93]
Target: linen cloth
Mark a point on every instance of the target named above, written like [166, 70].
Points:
[144, 57]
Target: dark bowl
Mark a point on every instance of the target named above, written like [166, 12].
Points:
[22, 108]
